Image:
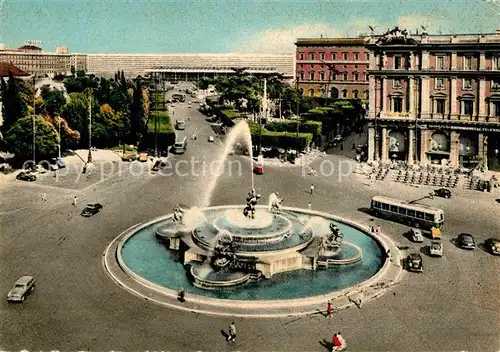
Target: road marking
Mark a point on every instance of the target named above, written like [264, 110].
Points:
[12, 211]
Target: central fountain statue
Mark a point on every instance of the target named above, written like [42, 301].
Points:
[252, 199]
[333, 241]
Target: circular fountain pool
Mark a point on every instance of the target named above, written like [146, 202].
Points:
[282, 250]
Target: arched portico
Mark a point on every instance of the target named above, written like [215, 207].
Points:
[334, 93]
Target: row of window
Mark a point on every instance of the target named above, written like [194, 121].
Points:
[440, 63]
[334, 56]
[404, 211]
[322, 66]
[343, 93]
[439, 83]
[356, 77]
[466, 106]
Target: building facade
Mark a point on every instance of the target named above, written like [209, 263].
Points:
[435, 99]
[34, 60]
[333, 67]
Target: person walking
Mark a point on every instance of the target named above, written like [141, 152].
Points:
[309, 206]
[74, 201]
[232, 332]
[377, 231]
[336, 342]
[342, 342]
[329, 310]
[312, 189]
[44, 197]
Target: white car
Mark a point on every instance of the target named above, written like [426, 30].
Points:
[436, 249]
[338, 138]
[211, 139]
[416, 235]
[24, 286]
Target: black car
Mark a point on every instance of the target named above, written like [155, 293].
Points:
[443, 193]
[466, 241]
[493, 245]
[158, 165]
[26, 176]
[414, 262]
[91, 209]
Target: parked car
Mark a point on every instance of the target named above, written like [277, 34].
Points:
[466, 241]
[414, 262]
[26, 176]
[258, 170]
[436, 248]
[143, 157]
[211, 139]
[416, 235]
[23, 287]
[159, 164]
[129, 156]
[91, 209]
[443, 193]
[493, 245]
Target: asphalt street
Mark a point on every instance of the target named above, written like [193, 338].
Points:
[452, 305]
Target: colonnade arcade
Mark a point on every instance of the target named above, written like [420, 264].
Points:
[447, 147]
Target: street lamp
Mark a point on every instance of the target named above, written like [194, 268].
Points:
[33, 120]
[89, 157]
[59, 136]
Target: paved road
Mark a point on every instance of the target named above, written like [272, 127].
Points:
[453, 305]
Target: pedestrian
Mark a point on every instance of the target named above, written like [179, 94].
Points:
[353, 146]
[232, 332]
[329, 309]
[74, 201]
[336, 342]
[309, 205]
[44, 197]
[341, 146]
[377, 231]
[312, 189]
[342, 342]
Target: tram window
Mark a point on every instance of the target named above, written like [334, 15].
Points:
[420, 215]
[441, 216]
[385, 206]
[411, 212]
[394, 208]
[429, 217]
[377, 204]
[402, 210]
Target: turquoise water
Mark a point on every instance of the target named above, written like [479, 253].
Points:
[147, 257]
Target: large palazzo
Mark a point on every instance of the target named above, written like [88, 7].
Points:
[435, 99]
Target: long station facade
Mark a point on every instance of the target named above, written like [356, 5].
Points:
[435, 99]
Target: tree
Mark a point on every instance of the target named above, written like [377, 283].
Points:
[19, 138]
[137, 113]
[69, 137]
[13, 105]
[54, 100]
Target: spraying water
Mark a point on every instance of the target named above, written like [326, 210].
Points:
[240, 131]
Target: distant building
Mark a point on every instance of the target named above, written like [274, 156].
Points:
[435, 98]
[62, 50]
[332, 67]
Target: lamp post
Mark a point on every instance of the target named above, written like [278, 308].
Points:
[33, 120]
[59, 136]
[89, 157]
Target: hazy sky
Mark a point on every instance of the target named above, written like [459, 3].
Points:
[216, 26]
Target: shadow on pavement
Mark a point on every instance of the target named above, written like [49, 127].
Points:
[425, 251]
[498, 200]
[483, 247]
[326, 344]
[367, 212]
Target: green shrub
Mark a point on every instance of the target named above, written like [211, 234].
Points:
[285, 140]
[313, 127]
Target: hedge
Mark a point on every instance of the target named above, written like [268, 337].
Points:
[166, 133]
[313, 127]
[285, 140]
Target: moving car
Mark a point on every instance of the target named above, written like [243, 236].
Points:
[129, 156]
[158, 165]
[211, 139]
[416, 235]
[26, 176]
[91, 209]
[466, 241]
[414, 262]
[258, 170]
[24, 286]
[143, 157]
[436, 248]
[493, 245]
[442, 192]
[180, 125]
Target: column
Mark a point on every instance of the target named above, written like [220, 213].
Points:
[481, 101]
[411, 96]
[371, 144]
[453, 61]
[385, 145]
[485, 151]
[372, 110]
[482, 61]
[455, 149]
[424, 141]
[425, 60]
[385, 89]
[411, 140]
[453, 97]
[373, 60]
[425, 97]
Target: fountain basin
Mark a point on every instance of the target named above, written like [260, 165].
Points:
[214, 280]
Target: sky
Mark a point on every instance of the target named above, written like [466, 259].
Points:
[217, 26]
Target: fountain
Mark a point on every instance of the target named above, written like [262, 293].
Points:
[246, 250]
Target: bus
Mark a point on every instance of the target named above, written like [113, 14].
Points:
[179, 97]
[180, 145]
[417, 215]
